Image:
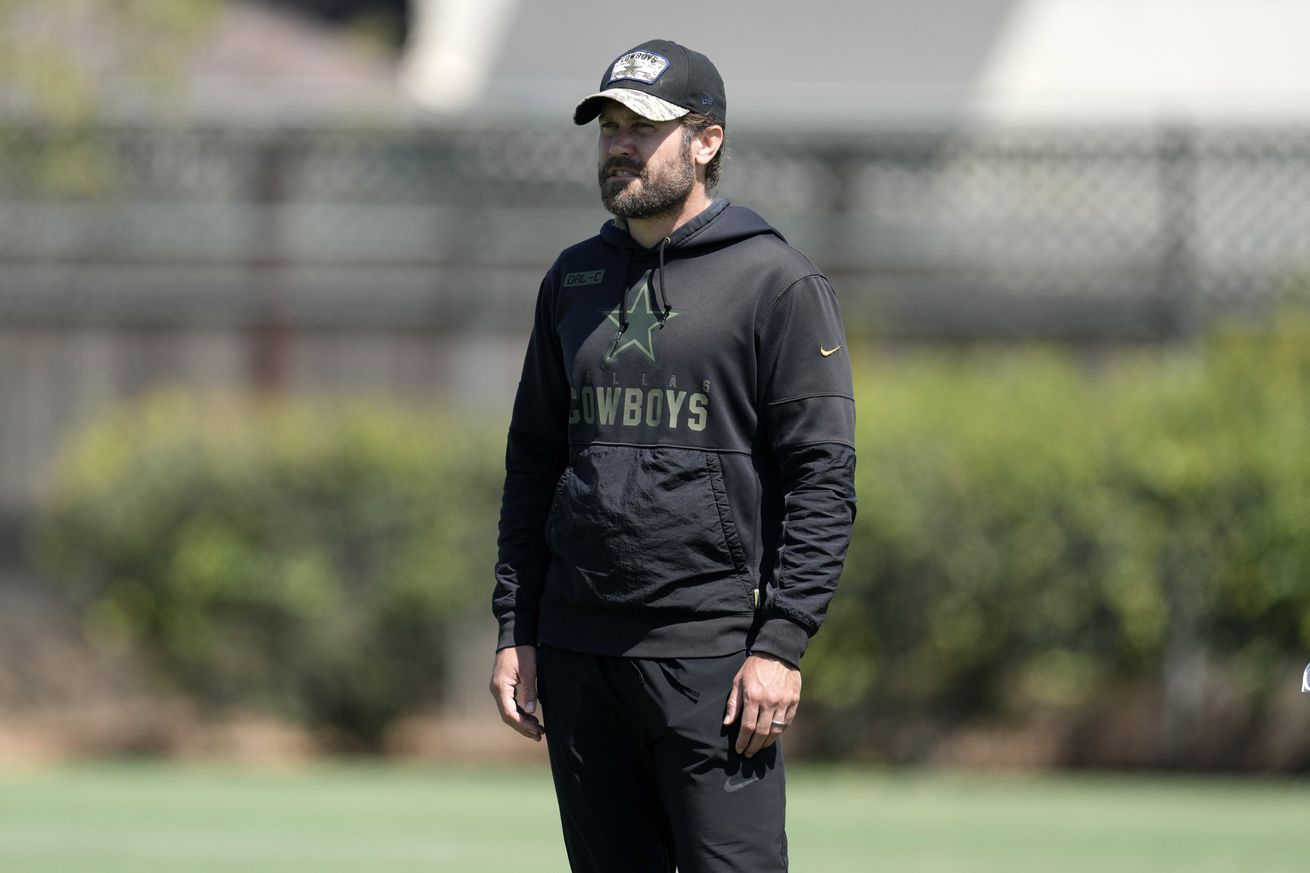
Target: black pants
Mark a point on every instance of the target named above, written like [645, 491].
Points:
[645, 772]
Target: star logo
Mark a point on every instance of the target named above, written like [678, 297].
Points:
[642, 324]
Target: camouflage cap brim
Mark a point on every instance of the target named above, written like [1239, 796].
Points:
[645, 105]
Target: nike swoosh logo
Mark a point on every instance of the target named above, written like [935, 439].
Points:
[730, 786]
[827, 352]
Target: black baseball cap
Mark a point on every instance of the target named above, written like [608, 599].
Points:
[659, 80]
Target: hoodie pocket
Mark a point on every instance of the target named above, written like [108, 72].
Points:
[647, 527]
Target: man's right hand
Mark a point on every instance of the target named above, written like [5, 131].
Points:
[514, 685]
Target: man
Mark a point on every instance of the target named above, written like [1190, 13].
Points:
[678, 496]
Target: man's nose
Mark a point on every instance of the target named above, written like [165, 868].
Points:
[621, 144]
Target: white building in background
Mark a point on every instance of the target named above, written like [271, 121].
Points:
[844, 64]
[1220, 61]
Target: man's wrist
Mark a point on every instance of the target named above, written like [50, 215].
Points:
[517, 629]
[782, 638]
[769, 656]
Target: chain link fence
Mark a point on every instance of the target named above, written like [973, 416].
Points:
[1119, 234]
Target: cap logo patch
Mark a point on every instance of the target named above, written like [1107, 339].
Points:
[639, 67]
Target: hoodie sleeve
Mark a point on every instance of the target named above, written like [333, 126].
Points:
[808, 411]
[536, 454]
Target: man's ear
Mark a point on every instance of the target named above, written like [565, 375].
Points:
[706, 144]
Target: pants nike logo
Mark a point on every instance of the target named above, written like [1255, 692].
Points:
[827, 352]
[730, 786]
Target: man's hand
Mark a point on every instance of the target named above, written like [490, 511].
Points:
[765, 693]
[516, 671]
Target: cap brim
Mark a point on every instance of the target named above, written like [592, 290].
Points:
[645, 105]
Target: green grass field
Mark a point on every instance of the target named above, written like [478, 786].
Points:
[386, 819]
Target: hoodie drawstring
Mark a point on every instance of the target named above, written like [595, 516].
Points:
[662, 306]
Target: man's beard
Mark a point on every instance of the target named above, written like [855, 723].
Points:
[649, 194]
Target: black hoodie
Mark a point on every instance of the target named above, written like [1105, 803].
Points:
[681, 457]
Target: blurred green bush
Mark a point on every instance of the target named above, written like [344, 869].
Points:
[304, 557]
[1035, 526]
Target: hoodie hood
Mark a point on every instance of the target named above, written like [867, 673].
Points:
[718, 224]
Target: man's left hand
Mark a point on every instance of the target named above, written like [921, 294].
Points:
[765, 693]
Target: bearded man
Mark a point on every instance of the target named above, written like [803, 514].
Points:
[678, 497]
